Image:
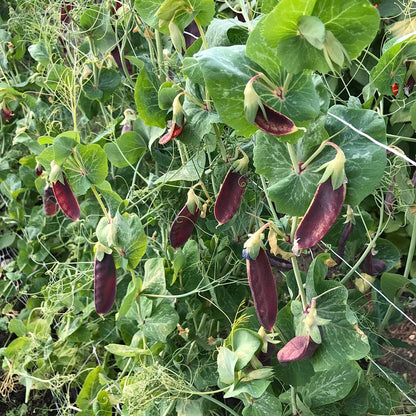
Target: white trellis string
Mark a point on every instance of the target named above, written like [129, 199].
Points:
[361, 133]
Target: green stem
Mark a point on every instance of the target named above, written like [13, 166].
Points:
[387, 316]
[201, 32]
[100, 202]
[293, 157]
[159, 48]
[411, 250]
[293, 401]
[218, 403]
[295, 265]
[369, 247]
[269, 201]
[286, 84]
[245, 15]
[220, 144]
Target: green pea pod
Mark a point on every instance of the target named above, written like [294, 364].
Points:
[325, 208]
[263, 289]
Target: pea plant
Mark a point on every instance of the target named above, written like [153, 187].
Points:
[207, 208]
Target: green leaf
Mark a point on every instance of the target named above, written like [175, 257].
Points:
[154, 277]
[7, 239]
[183, 12]
[167, 93]
[133, 290]
[354, 23]
[245, 344]
[146, 98]
[341, 342]
[392, 284]
[39, 52]
[131, 237]
[329, 386]
[226, 361]
[364, 167]
[390, 68]
[104, 403]
[126, 150]
[254, 388]
[316, 274]
[94, 168]
[191, 171]
[63, 145]
[123, 350]
[226, 72]
[161, 323]
[89, 389]
[17, 327]
[313, 30]
[265, 405]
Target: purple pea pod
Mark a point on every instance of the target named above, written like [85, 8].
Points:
[127, 123]
[182, 227]
[63, 193]
[263, 289]
[273, 122]
[297, 349]
[230, 196]
[38, 169]
[324, 210]
[50, 206]
[178, 121]
[184, 224]
[348, 227]
[105, 283]
[279, 264]
[371, 265]
[7, 114]
[232, 190]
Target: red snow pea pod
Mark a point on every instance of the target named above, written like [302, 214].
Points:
[50, 206]
[232, 190]
[372, 265]
[273, 122]
[297, 349]
[263, 289]
[324, 210]
[395, 89]
[38, 169]
[66, 199]
[184, 223]
[105, 283]
[7, 114]
[182, 227]
[178, 121]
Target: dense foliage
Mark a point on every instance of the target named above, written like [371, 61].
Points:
[146, 145]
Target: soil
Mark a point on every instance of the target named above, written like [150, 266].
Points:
[402, 360]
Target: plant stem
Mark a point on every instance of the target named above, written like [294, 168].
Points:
[295, 265]
[98, 196]
[293, 400]
[218, 403]
[411, 251]
[201, 32]
[269, 201]
[220, 144]
[293, 157]
[369, 247]
[286, 84]
[159, 48]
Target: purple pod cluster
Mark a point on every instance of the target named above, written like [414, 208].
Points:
[230, 196]
[297, 349]
[50, 206]
[320, 216]
[263, 289]
[105, 283]
[182, 227]
[66, 199]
